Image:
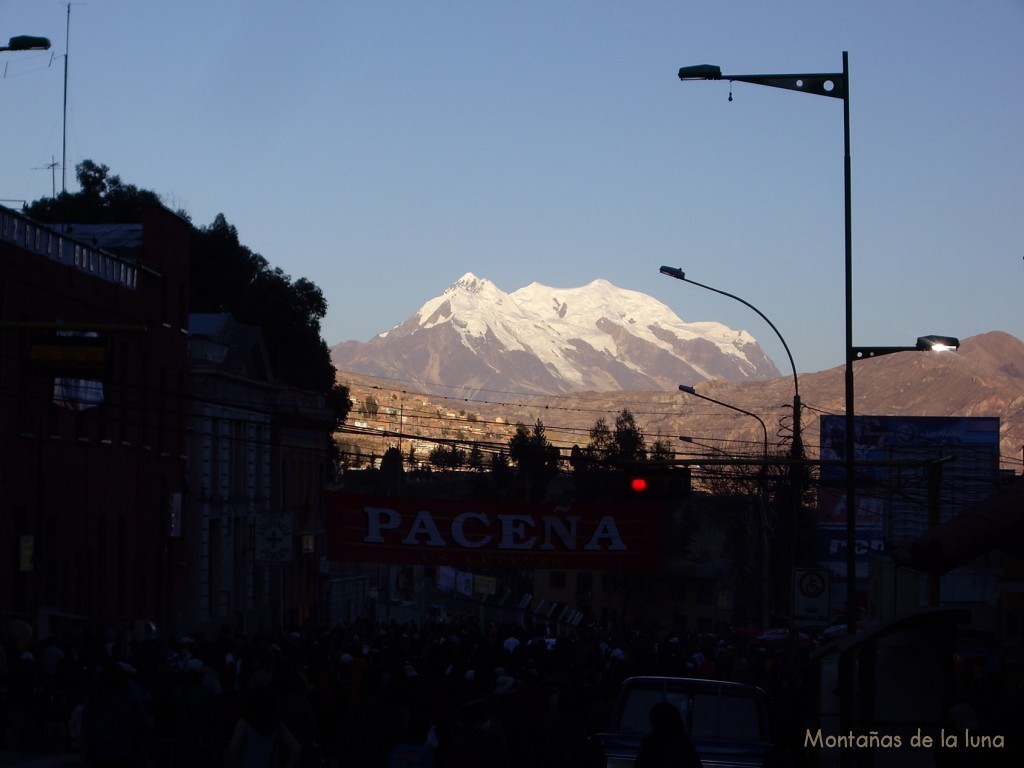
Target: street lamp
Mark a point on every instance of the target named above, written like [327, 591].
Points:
[798, 442]
[26, 43]
[691, 441]
[924, 344]
[798, 470]
[763, 493]
[836, 85]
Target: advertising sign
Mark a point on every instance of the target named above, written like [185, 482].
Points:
[911, 473]
[493, 534]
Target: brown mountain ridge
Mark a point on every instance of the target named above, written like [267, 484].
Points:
[985, 377]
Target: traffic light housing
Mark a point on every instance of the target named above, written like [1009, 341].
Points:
[657, 484]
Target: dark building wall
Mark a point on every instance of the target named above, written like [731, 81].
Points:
[86, 487]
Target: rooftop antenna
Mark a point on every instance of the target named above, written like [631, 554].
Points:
[53, 166]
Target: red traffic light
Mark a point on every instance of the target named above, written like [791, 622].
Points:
[638, 484]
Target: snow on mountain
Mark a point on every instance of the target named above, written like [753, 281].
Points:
[549, 340]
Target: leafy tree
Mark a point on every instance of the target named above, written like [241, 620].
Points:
[229, 277]
[226, 276]
[391, 461]
[103, 199]
[391, 471]
[661, 451]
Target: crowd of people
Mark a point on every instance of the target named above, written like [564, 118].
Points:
[448, 695]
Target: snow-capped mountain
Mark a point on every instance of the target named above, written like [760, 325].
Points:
[546, 340]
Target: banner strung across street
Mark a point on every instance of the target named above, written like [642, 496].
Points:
[493, 534]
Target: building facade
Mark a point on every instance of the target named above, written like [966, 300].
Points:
[252, 520]
[93, 380]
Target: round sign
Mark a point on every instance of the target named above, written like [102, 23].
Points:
[811, 585]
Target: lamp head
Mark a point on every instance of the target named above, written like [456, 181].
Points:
[675, 272]
[687, 389]
[700, 72]
[937, 343]
[27, 43]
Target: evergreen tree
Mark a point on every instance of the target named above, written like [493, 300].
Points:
[535, 456]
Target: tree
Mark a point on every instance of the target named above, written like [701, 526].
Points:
[626, 444]
[601, 440]
[661, 451]
[225, 276]
[629, 440]
[447, 457]
[229, 277]
[391, 470]
[476, 458]
[536, 458]
[103, 199]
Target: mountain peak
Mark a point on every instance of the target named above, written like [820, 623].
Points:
[469, 283]
[547, 340]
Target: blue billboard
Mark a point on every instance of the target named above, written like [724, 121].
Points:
[911, 472]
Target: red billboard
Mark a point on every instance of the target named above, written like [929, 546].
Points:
[493, 534]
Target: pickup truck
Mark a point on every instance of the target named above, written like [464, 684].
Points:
[727, 722]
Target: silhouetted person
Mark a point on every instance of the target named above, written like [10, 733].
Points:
[115, 721]
[667, 745]
[260, 738]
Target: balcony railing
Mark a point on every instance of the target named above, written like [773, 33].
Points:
[51, 244]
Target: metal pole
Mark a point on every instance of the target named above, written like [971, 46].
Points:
[850, 437]
[797, 451]
[64, 152]
[762, 486]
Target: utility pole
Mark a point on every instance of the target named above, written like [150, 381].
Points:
[64, 140]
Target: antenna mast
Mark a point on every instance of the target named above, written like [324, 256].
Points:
[64, 154]
[52, 168]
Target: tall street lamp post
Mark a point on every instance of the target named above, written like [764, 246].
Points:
[835, 85]
[762, 492]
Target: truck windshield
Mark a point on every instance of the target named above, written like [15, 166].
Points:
[723, 715]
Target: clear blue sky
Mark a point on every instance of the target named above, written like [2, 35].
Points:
[382, 149]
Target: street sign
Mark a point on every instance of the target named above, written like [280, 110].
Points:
[812, 594]
[273, 538]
